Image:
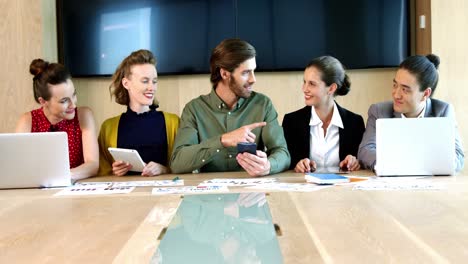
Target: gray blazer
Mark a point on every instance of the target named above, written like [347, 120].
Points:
[434, 108]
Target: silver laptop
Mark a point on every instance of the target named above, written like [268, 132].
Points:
[34, 160]
[415, 146]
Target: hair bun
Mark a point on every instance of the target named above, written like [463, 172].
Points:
[37, 67]
[434, 59]
[345, 87]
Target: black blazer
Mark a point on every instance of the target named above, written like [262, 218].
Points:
[297, 133]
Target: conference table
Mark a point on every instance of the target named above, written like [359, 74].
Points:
[330, 225]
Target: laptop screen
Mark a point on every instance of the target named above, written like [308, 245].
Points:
[34, 160]
[415, 146]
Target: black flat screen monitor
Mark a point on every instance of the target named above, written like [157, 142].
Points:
[95, 35]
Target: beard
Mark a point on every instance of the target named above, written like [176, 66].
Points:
[240, 90]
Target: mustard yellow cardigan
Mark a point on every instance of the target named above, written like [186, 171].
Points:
[108, 138]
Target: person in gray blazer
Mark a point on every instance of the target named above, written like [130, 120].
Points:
[413, 86]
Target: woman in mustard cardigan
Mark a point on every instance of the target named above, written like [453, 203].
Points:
[141, 127]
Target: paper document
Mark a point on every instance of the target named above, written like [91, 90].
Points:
[237, 182]
[189, 189]
[288, 187]
[133, 183]
[400, 183]
[90, 190]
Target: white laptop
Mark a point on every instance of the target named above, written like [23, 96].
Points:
[34, 160]
[415, 146]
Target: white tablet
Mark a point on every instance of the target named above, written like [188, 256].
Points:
[128, 155]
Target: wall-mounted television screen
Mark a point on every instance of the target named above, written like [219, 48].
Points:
[95, 35]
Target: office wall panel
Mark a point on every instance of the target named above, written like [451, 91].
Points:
[21, 42]
[449, 41]
[284, 88]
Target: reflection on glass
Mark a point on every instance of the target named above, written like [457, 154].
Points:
[220, 228]
[134, 25]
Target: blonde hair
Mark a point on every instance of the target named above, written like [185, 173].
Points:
[124, 71]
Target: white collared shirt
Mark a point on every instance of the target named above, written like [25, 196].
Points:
[421, 115]
[325, 150]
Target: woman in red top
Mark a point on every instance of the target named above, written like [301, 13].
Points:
[54, 90]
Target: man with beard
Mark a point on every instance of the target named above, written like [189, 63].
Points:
[212, 125]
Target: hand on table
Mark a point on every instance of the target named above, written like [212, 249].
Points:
[350, 163]
[305, 165]
[153, 169]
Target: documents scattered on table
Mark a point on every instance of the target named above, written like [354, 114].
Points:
[221, 185]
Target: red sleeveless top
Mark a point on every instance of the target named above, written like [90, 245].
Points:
[40, 123]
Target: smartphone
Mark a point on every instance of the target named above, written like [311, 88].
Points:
[128, 155]
[247, 147]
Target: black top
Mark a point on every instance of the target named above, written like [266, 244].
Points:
[297, 133]
[145, 132]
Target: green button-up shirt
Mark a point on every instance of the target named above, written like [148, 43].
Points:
[198, 142]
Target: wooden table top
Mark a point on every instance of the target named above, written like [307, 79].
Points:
[332, 225]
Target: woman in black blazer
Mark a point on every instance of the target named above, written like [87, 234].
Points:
[323, 134]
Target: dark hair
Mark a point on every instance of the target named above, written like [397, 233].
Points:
[229, 54]
[332, 72]
[138, 57]
[46, 73]
[424, 68]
